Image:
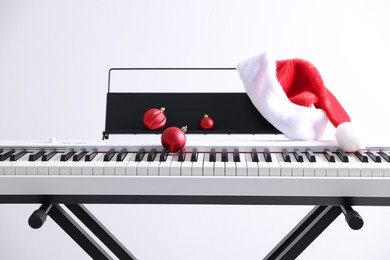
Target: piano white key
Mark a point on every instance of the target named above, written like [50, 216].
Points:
[377, 167]
[386, 170]
[76, 167]
[54, 165]
[342, 167]
[242, 166]
[386, 166]
[98, 166]
[331, 168]
[37, 168]
[186, 166]
[197, 167]
[285, 167]
[319, 168]
[21, 165]
[142, 166]
[131, 166]
[274, 166]
[219, 166]
[66, 166]
[208, 167]
[253, 168]
[32, 166]
[297, 167]
[2, 163]
[154, 165]
[165, 165]
[7, 167]
[350, 168]
[308, 167]
[106, 168]
[120, 167]
[264, 167]
[87, 168]
[174, 170]
[230, 166]
[354, 166]
[366, 168]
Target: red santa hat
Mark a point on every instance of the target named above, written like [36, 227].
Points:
[291, 95]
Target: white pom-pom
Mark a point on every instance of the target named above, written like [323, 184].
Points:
[347, 137]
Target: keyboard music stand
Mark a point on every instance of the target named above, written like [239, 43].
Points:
[124, 113]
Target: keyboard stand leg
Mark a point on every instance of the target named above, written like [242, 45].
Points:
[78, 234]
[100, 231]
[303, 234]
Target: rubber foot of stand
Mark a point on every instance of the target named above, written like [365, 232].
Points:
[37, 218]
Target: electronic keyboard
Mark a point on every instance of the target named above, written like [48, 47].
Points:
[218, 165]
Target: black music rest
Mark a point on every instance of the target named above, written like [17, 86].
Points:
[233, 113]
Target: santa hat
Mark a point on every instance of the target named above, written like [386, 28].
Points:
[291, 95]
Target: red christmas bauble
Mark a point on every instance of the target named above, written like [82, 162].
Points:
[155, 118]
[174, 139]
[206, 123]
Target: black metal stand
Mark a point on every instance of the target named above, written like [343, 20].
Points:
[303, 234]
[77, 233]
[311, 226]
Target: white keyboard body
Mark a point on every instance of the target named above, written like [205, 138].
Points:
[194, 178]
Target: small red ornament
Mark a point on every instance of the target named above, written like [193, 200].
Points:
[174, 139]
[155, 118]
[206, 123]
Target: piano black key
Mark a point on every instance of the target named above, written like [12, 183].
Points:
[140, 155]
[48, 155]
[310, 156]
[254, 156]
[267, 155]
[121, 155]
[212, 157]
[182, 156]
[152, 155]
[67, 154]
[4, 155]
[224, 156]
[342, 155]
[194, 155]
[286, 155]
[374, 156]
[329, 156]
[79, 154]
[385, 155]
[35, 155]
[236, 156]
[90, 155]
[17, 155]
[163, 155]
[298, 155]
[361, 156]
[109, 154]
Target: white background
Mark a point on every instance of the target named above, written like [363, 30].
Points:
[54, 59]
